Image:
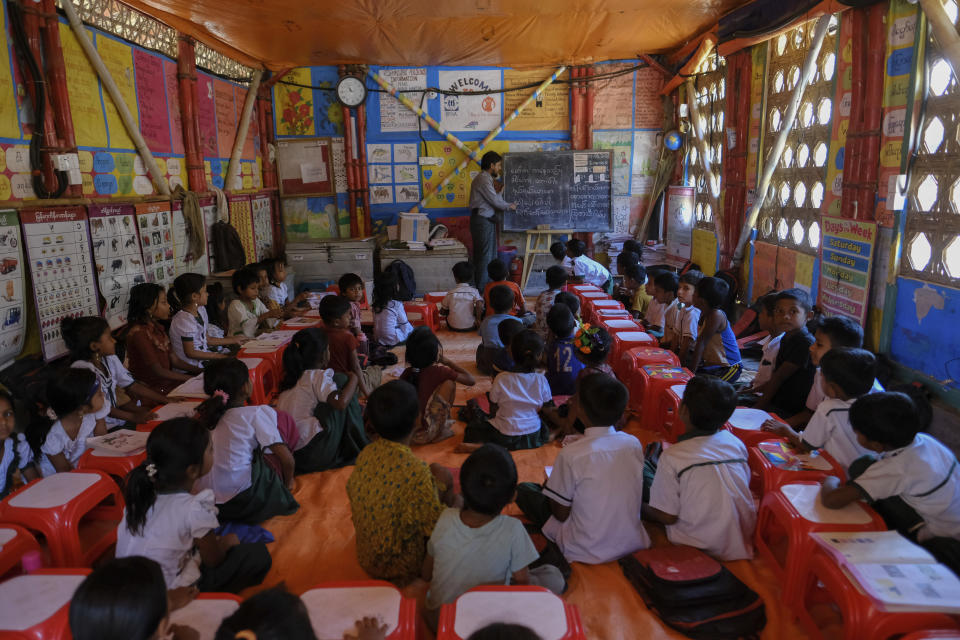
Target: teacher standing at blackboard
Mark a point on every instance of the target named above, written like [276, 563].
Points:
[485, 204]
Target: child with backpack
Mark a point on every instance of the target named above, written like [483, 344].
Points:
[390, 324]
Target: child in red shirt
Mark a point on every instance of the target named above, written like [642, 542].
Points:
[351, 288]
[335, 312]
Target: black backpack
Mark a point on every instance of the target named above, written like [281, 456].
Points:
[228, 251]
[694, 594]
[408, 282]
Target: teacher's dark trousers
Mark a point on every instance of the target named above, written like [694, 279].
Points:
[484, 234]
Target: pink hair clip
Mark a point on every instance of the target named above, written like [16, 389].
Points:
[222, 395]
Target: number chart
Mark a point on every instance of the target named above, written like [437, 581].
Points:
[188, 263]
[241, 220]
[12, 322]
[262, 226]
[58, 250]
[116, 256]
[156, 237]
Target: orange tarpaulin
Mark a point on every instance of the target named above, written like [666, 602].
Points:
[290, 33]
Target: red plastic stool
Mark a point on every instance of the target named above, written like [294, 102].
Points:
[646, 386]
[423, 314]
[14, 542]
[862, 618]
[331, 603]
[604, 313]
[595, 306]
[790, 514]
[182, 409]
[632, 360]
[37, 605]
[436, 297]
[618, 323]
[668, 410]
[746, 423]
[206, 612]
[623, 341]
[118, 466]
[942, 634]
[583, 288]
[586, 297]
[532, 607]
[275, 357]
[771, 469]
[263, 378]
[54, 507]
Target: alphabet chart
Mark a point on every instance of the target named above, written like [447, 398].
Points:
[156, 237]
[12, 322]
[262, 226]
[116, 256]
[58, 249]
[187, 263]
[241, 219]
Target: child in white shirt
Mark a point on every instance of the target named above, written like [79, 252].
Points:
[516, 398]
[190, 336]
[247, 314]
[587, 270]
[688, 318]
[165, 521]
[463, 305]
[75, 398]
[665, 286]
[701, 490]
[390, 324]
[16, 457]
[276, 290]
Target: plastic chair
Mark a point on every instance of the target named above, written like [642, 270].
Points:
[118, 466]
[862, 618]
[768, 475]
[623, 341]
[423, 314]
[746, 423]
[37, 605]
[14, 542]
[206, 612]
[533, 607]
[263, 378]
[333, 604]
[789, 515]
[632, 360]
[646, 386]
[435, 297]
[54, 507]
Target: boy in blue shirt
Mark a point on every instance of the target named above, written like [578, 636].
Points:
[501, 300]
[562, 363]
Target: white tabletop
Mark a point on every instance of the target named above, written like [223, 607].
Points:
[542, 612]
[28, 600]
[594, 294]
[634, 336]
[620, 324]
[204, 616]
[336, 610]
[606, 303]
[54, 491]
[805, 498]
[748, 419]
[6, 535]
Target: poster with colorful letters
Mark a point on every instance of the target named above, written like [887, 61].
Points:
[156, 237]
[12, 323]
[187, 261]
[61, 269]
[116, 257]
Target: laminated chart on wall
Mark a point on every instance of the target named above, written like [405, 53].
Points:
[455, 193]
[116, 257]
[395, 117]
[846, 263]
[262, 226]
[61, 269]
[242, 220]
[551, 112]
[187, 262]
[156, 237]
[208, 208]
[12, 288]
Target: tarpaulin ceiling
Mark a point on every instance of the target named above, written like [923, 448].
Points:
[286, 33]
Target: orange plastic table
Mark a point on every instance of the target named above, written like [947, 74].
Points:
[332, 605]
[37, 605]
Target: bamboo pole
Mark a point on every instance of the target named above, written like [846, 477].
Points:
[944, 31]
[809, 67]
[490, 136]
[162, 186]
[242, 127]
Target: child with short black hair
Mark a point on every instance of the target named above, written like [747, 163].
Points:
[585, 269]
[166, 521]
[847, 375]
[248, 315]
[150, 356]
[76, 399]
[789, 385]
[572, 302]
[915, 482]
[665, 287]
[216, 308]
[507, 330]
[477, 544]
[463, 305]
[563, 367]
[15, 453]
[189, 329]
[351, 288]
[592, 344]
[276, 289]
[391, 490]
[435, 378]
[277, 614]
[654, 315]
[715, 352]
[335, 312]
[559, 252]
[701, 489]
[626, 260]
[501, 301]
[556, 280]
[635, 278]
[390, 324]
[498, 272]
[766, 307]
[684, 328]
[516, 398]
[590, 504]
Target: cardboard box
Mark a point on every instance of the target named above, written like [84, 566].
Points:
[414, 227]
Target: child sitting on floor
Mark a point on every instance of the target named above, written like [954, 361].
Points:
[276, 290]
[556, 280]
[563, 367]
[516, 398]
[390, 324]
[787, 390]
[501, 301]
[847, 375]
[665, 287]
[478, 545]
[351, 288]
[634, 284]
[189, 329]
[770, 346]
[322, 403]
[626, 260]
[503, 359]
[915, 482]
[715, 352]
[435, 378]
[335, 312]
[164, 519]
[248, 315]
[245, 487]
[16, 457]
[559, 252]
[590, 504]
[683, 331]
[572, 302]
[701, 490]
[462, 306]
[585, 269]
[498, 273]
[395, 498]
[592, 348]
[150, 356]
[655, 314]
[75, 399]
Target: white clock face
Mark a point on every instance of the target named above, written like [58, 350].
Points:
[351, 91]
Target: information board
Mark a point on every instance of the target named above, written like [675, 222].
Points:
[565, 189]
[304, 167]
[846, 264]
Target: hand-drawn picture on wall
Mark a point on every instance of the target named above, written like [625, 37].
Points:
[406, 152]
[408, 193]
[381, 174]
[381, 194]
[406, 173]
[378, 153]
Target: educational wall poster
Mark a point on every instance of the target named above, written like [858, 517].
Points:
[252, 143]
[83, 87]
[394, 116]
[173, 104]
[704, 251]
[621, 214]
[262, 226]
[648, 104]
[764, 268]
[187, 260]
[679, 210]
[207, 116]
[470, 113]
[241, 219]
[12, 322]
[381, 194]
[840, 122]
[378, 153]
[846, 262]
[61, 269]
[613, 98]
[407, 193]
[116, 257]
[551, 112]
[208, 207]
[406, 152]
[338, 158]
[381, 173]
[152, 101]
[226, 117]
[118, 59]
[619, 142]
[293, 109]
[404, 173]
[156, 238]
[455, 193]
[646, 154]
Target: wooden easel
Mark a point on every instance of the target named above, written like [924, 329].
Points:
[538, 242]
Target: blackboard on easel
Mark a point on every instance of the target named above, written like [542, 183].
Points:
[565, 189]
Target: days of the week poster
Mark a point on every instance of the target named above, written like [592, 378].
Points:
[846, 261]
